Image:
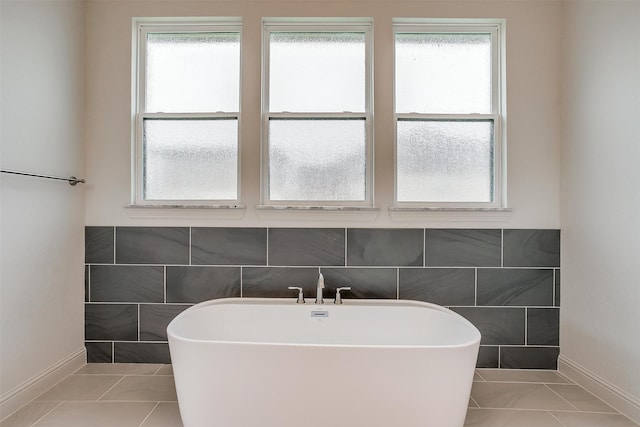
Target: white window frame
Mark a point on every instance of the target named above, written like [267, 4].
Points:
[498, 105]
[364, 25]
[141, 27]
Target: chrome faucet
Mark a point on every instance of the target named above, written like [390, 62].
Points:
[319, 289]
[338, 299]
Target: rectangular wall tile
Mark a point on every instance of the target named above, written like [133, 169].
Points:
[498, 325]
[543, 326]
[154, 319]
[197, 284]
[141, 352]
[152, 245]
[228, 246]
[364, 282]
[99, 352]
[529, 357]
[531, 248]
[513, 301]
[385, 247]
[98, 245]
[488, 356]
[508, 286]
[126, 283]
[107, 322]
[272, 282]
[306, 246]
[463, 248]
[443, 286]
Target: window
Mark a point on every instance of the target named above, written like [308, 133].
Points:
[448, 114]
[317, 113]
[187, 112]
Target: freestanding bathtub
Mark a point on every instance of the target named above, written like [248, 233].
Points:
[253, 362]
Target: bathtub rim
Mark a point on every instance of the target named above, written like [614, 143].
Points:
[171, 335]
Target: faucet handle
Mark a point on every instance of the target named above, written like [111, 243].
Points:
[338, 296]
[300, 299]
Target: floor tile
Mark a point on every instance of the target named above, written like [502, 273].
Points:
[165, 370]
[29, 414]
[143, 395]
[97, 414]
[166, 414]
[586, 419]
[151, 388]
[580, 398]
[80, 387]
[120, 368]
[517, 396]
[509, 418]
[521, 375]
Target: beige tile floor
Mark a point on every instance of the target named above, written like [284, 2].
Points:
[140, 395]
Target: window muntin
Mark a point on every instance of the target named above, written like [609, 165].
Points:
[447, 109]
[188, 104]
[317, 120]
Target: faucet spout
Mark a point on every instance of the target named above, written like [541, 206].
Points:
[319, 289]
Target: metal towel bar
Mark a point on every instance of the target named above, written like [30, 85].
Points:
[72, 179]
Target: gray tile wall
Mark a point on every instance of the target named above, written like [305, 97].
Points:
[504, 281]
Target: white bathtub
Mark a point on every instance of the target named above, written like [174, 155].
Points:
[256, 362]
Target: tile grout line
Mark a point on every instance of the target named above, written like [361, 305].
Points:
[558, 394]
[267, 249]
[88, 283]
[111, 388]
[149, 414]
[526, 326]
[346, 243]
[114, 246]
[138, 322]
[475, 283]
[474, 401]
[44, 415]
[424, 247]
[502, 248]
[556, 418]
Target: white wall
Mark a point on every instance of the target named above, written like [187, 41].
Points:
[533, 82]
[600, 315]
[41, 230]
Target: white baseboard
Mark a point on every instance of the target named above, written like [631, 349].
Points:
[622, 401]
[16, 398]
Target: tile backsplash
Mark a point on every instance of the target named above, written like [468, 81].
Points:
[504, 281]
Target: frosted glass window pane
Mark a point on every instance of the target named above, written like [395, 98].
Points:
[192, 72]
[445, 161]
[443, 73]
[316, 159]
[190, 159]
[317, 72]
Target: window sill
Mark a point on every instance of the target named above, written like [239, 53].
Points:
[450, 214]
[186, 211]
[340, 213]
